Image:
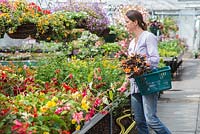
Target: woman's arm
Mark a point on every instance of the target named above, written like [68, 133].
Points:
[152, 50]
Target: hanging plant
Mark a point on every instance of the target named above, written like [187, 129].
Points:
[20, 17]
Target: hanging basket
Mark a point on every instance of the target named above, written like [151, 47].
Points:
[24, 31]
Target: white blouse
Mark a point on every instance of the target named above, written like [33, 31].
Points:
[147, 44]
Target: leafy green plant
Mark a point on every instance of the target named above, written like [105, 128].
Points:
[170, 48]
[110, 49]
[118, 30]
[169, 24]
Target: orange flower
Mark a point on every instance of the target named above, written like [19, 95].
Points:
[136, 69]
[138, 60]
[127, 70]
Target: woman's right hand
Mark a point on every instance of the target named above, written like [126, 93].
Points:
[124, 85]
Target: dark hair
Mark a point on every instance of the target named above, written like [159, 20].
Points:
[136, 15]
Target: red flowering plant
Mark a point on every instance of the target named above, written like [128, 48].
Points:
[135, 65]
[16, 79]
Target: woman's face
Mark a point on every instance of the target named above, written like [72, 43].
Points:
[130, 25]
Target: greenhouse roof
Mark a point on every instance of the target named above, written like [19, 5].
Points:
[159, 4]
[168, 4]
[149, 4]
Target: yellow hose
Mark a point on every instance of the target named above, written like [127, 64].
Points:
[131, 126]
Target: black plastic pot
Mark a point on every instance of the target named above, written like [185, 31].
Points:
[110, 38]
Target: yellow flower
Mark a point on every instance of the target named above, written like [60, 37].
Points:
[113, 67]
[43, 109]
[50, 104]
[20, 19]
[76, 95]
[73, 121]
[84, 104]
[48, 38]
[46, 22]
[78, 127]
[55, 99]
[46, 133]
[20, 69]
[42, 94]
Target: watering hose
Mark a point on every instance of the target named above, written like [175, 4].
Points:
[131, 126]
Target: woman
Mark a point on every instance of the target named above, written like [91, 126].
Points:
[144, 106]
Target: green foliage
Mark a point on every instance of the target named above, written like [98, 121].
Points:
[109, 49]
[170, 48]
[169, 25]
[119, 31]
[83, 71]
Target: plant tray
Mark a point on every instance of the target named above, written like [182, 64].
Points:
[155, 81]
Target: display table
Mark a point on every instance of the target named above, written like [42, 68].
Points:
[174, 62]
[23, 62]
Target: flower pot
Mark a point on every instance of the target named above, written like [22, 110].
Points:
[24, 31]
[2, 35]
[110, 38]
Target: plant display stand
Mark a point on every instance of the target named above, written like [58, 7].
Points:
[24, 62]
[174, 62]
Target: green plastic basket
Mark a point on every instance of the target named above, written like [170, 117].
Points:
[155, 81]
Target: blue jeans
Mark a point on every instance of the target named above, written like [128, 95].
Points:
[144, 108]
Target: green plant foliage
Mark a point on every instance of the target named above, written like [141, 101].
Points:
[170, 48]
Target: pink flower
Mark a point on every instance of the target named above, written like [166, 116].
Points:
[3, 75]
[3, 1]
[122, 89]
[19, 127]
[97, 102]
[78, 116]
[90, 114]
[67, 107]
[25, 67]
[99, 69]
[59, 110]
[104, 112]
[70, 76]
[84, 93]
[99, 78]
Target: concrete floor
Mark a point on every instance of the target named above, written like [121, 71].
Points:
[179, 107]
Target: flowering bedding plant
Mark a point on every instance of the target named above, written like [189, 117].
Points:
[57, 102]
[135, 65]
